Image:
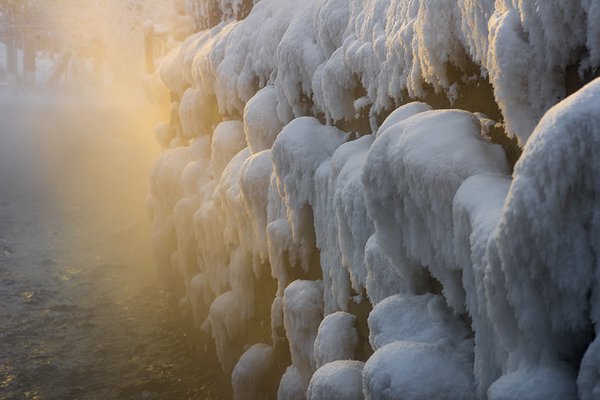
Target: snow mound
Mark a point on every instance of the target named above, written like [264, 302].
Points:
[418, 371]
[402, 113]
[543, 382]
[253, 375]
[299, 150]
[383, 278]
[336, 339]
[225, 322]
[227, 140]
[337, 380]
[302, 313]
[301, 156]
[422, 319]
[291, 386]
[352, 222]
[197, 114]
[260, 122]
[412, 173]
[255, 178]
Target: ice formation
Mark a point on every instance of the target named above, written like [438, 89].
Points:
[424, 318]
[252, 377]
[419, 371]
[317, 165]
[336, 339]
[337, 380]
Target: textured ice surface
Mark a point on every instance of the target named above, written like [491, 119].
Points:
[337, 380]
[548, 309]
[321, 53]
[302, 313]
[418, 371]
[336, 339]
[298, 181]
[423, 318]
[417, 165]
[254, 373]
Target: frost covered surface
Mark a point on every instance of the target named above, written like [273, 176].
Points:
[291, 386]
[337, 380]
[423, 351]
[545, 382]
[321, 53]
[260, 124]
[418, 371]
[477, 209]
[300, 186]
[425, 318]
[420, 162]
[336, 339]
[551, 306]
[252, 377]
[303, 311]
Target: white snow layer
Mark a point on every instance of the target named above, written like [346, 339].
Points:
[337, 338]
[320, 54]
[275, 226]
[337, 380]
[252, 377]
[418, 371]
[424, 318]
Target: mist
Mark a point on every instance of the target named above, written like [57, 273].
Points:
[83, 312]
[77, 121]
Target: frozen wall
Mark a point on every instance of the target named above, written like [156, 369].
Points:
[319, 223]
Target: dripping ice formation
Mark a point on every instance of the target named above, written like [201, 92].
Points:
[337, 208]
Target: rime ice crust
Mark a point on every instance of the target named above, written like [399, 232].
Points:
[431, 183]
[253, 375]
[423, 318]
[418, 371]
[318, 53]
[552, 304]
[483, 285]
[336, 339]
[337, 380]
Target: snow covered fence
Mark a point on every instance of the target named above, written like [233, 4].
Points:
[281, 231]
